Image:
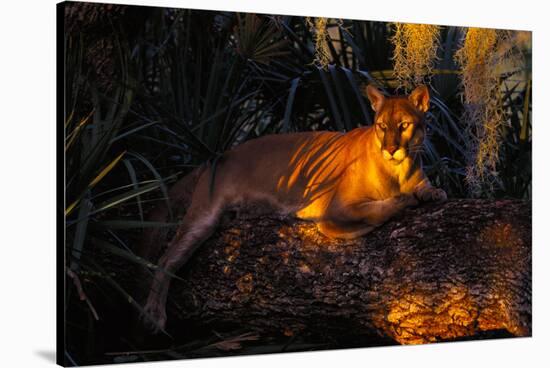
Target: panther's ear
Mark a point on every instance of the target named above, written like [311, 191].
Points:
[376, 97]
[420, 98]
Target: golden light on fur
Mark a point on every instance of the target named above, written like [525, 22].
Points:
[415, 51]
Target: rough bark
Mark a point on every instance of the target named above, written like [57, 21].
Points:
[437, 272]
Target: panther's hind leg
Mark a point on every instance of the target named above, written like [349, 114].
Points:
[198, 224]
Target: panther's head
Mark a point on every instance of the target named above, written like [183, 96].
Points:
[399, 122]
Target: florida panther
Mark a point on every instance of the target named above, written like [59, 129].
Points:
[347, 183]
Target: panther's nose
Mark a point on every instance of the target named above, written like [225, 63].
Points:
[391, 149]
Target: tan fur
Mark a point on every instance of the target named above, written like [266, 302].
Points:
[348, 183]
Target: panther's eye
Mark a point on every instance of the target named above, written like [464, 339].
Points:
[382, 126]
[404, 125]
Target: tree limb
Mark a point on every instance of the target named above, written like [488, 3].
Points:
[437, 272]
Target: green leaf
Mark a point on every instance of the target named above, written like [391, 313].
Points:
[332, 100]
[133, 224]
[132, 131]
[125, 196]
[289, 102]
[94, 181]
[160, 180]
[133, 178]
[359, 95]
[341, 96]
[81, 231]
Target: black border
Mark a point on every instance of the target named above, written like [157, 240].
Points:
[60, 185]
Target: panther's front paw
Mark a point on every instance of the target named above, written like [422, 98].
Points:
[430, 194]
[407, 200]
[154, 315]
[439, 195]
